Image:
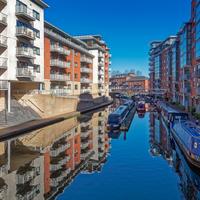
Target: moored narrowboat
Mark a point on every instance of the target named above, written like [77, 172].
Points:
[187, 135]
[116, 118]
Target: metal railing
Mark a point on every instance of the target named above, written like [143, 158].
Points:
[23, 10]
[3, 85]
[86, 91]
[3, 63]
[25, 72]
[3, 18]
[25, 51]
[3, 40]
[25, 32]
[60, 49]
[59, 63]
[59, 77]
[86, 80]
[86, 60]
[86, 70]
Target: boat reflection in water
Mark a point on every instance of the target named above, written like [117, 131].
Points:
[42, 163]
[162, 144]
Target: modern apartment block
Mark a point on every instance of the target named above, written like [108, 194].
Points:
[174, 64]
[68, 63]
[21, 47]
[98, 48]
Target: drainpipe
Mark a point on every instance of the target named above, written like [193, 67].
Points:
[9, 97]
[73, 72]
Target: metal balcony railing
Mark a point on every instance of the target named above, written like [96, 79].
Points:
[59, 49]
[3, 19]
[60, 63]
[25, 32]
[3, 63]
[3, 85]
[86, 60]
[25, 72]
[86, 70]
[3, 41]
[59, 77]
[25, 12]
[25, 52]
[86, 80]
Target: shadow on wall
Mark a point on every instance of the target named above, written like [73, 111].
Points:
[87, 101]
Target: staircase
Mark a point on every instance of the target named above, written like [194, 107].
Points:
[19, 114]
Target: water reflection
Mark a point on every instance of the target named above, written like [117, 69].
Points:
[163, 144]
[44, 162]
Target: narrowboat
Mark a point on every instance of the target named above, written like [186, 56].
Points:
[116, 118]
[167, 113]
[187, 136]
[141, 106]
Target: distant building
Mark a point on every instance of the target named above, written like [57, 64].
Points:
[129, 83]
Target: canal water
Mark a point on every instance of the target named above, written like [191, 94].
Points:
[79, 160]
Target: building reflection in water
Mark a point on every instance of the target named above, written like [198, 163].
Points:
[42, 163]
[162, 144]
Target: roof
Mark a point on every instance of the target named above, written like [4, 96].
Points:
[41, 3]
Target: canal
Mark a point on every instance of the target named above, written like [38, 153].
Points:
[78, 159]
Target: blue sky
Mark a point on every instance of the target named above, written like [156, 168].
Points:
[127, 26]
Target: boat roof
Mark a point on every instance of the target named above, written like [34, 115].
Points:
[120, 110]
[189, 127]
[168, 108]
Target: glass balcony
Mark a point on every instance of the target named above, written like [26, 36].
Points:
[25, 52]
[3, 41]
[3, 85]
[86, 80]
[59, 77]
[59, 63]
[24, 12]
[86, 70]
[25, 33]
[25, 72]
[3, 20]
[60, 50]
[3, 63]
[84, 59]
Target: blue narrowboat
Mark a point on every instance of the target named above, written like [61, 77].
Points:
[116, 118]
[187, 135]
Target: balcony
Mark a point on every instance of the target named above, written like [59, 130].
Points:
[101, 64]
[101, 55]
[186, 90]
[25, 52]
[56, 152]
[3, 41]
[86, 70]
[59, 77]
[25, 33]
[3, 20]
[84, 91]
[3, 63]
[85, 144]
[25, 72]
[25, 13]
[86, 80]
[198, 90]
[198, 73]
[60, 50]
[59, 63]
[84, 59]
[3, 85]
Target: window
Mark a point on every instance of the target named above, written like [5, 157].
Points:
[37, 68]
[75, 76]
[76, 87]
[37, 33]
[36, 15]
[76, 53]
[76, 64]
[36, 51]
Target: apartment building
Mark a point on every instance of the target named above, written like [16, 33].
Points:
[174, 69]
[101, 61]
[68, 63]
[129, 83]
[21, 47]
